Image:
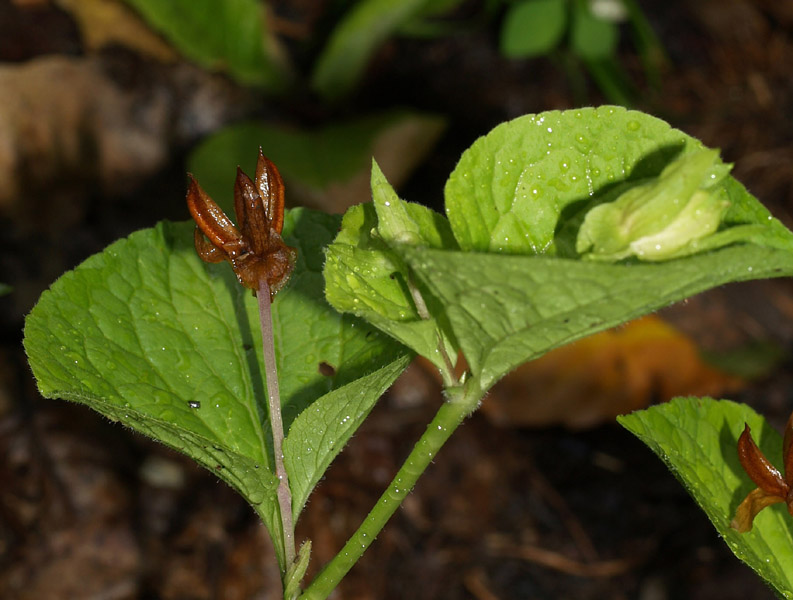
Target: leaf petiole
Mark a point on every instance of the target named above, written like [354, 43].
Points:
[449, 378]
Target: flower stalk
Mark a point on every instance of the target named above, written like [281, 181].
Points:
[263, 263]
[284, 492]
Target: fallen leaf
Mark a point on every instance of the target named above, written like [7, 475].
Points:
[67, 125]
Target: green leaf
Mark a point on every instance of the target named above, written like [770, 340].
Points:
[592, 38]
[504, 310]
[147, 334]
[525, 187]
[697, 439]
[296, 571]
[320, 167]
[229, 35]
[404, 222]
[319, 433]
[361, 32]
[533, 27]
[5, 289]
[366, 277]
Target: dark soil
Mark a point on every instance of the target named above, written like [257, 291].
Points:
[90, 510]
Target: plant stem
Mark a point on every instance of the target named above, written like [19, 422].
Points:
[284, 493]
[449, 378]
[461, 402]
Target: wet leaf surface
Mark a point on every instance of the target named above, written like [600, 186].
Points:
[495, 498]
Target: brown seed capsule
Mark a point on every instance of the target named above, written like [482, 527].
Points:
[255, 249]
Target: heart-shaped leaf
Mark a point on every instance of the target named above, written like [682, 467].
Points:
[525, 187]
[147, 334]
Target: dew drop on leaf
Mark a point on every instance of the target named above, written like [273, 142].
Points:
[194, 404]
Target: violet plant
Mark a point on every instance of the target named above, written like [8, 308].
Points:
[557, 225]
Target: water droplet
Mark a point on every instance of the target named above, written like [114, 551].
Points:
[633, 125]
[194, 404]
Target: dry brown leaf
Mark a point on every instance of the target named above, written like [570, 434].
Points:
[597, 378]
[67, 124]
[106, 22]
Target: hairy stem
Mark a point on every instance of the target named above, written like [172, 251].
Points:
[461, 401]
[284, 493]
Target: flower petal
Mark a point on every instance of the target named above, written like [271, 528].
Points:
[758, 467]
[271, 189]
[747, 510]
[206, 249]
[212, 221]
[251, 214]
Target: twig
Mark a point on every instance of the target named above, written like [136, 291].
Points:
[559, 562]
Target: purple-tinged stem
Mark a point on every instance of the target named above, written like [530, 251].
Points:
[284, 493]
